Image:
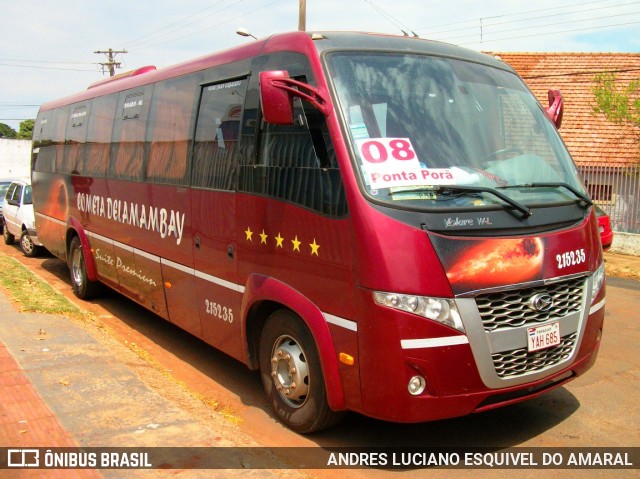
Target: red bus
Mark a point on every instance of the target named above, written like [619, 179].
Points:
[379, 224]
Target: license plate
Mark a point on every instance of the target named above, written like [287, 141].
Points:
[542, 337]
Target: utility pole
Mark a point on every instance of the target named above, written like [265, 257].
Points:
[302, 16]
[111, 64]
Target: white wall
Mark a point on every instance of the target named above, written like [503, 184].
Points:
[15, 158]
[626, 243]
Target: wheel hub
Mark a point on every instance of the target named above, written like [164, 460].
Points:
[76, 268]
[289, 371]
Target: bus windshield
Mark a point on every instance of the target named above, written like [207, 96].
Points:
[432, 132]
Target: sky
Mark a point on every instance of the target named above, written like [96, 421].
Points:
[47, 47]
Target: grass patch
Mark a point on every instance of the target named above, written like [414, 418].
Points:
[31, 293]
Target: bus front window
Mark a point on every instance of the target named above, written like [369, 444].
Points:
[420, 126]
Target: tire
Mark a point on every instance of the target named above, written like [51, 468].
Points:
[292, 375]
[28, 247]
[8, 237]
[82, 287]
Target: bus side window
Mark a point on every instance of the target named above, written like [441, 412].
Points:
[127, 151]
[170, 119]
[299, 163]
[44, 150]
[217, 135]
[99, 129]
[58, 129]
[74, 157]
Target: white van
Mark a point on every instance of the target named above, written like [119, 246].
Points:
[19, 219]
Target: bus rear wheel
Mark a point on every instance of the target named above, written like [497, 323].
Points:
[292, 376]
[82, 287]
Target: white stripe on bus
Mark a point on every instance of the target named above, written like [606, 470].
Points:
[433, 342]
[238, 288]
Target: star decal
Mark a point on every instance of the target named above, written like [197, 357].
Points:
[279, 240]
[263, 237]
[314, 247]
[249, 234]
[296, 244]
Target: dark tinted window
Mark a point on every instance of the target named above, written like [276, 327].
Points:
[44, 154]
[10, 191]
[74, 157]
[295, 163]
[99, 129]
[217, 135]
[17, 194]
[172, 112]
[127, 151]
[28, 196]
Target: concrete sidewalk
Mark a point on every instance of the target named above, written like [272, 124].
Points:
[60, 387]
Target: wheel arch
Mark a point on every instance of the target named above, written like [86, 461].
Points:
[74, 228]
[265, 295]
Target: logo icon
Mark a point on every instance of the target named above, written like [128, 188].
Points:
[541, 302]
[23, 458]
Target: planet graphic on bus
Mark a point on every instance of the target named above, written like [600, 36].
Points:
[498, 262]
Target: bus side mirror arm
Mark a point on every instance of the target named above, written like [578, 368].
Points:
[556, 107]
[277, 92]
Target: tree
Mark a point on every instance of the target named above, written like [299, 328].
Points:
[618, 103]
[26, 130]
[6, 131]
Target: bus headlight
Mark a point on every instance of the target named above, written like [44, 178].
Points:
[597, 281]
[442, 310]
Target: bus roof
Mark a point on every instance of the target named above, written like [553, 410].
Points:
[303, 42]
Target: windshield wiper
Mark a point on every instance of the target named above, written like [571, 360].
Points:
[526, 212]
[566, 186]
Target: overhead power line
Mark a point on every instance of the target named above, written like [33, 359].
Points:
[228, 20]
[161, 31]
[28, 60]
[559, 32]
[44, 68]
[555, 9]
[544, 25]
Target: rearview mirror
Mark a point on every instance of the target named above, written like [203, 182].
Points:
[556, 107]
[277, 92]
[277, 104]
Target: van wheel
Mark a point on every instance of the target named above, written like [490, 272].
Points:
[292, 376]
[28, 247]
[82, 287]
[8, 237]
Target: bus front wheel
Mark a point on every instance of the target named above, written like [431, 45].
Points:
[82, 287]
[292, 375]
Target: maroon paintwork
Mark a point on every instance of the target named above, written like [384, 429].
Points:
[251, 254]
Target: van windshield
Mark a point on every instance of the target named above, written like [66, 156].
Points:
[435, 132]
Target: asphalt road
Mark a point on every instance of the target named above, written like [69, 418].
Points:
[598, 409]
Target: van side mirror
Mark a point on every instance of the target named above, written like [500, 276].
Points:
[277, 92]
[556, 107]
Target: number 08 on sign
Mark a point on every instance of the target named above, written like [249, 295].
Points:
[389, 162]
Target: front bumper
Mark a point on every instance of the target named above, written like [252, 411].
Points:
[485, 368]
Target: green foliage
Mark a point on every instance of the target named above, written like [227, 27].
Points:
[26, 130]
[6, 131]
[31, 292]
[618, 103]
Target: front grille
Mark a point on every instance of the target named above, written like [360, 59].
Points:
[520, 361]
[510, 309]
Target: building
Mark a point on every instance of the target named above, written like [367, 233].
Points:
[607, 154]
[15, 158]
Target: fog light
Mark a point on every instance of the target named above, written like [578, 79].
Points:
[417, 384]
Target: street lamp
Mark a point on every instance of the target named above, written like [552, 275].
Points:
[243, 32]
